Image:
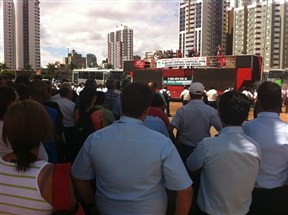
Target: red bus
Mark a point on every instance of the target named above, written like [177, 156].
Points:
[220, 72]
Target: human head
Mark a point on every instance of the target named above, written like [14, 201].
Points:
[66, 92]
[87, 98]
[196, 90]
[7, 96]
[110, 84]
[38, 90]
[136, 99]
[152, 86]
[90, 83]
[22, 90]
[100, 98]
[157, 101]
[269, 97]
[26, 125]
[22, 79]
[233, 108]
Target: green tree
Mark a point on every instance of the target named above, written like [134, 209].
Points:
[3, 66]
[109, 66]
[10, 74]
[51, 70]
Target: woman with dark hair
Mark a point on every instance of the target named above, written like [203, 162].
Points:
[26, 180]
[88, 118]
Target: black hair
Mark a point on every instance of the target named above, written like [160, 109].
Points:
[270, 95]
[100, 98]
[85, 98]
[233, 108]
[135, 99]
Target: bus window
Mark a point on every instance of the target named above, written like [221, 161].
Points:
[91, 75]
[83, 75]
[75, 80]
[99, 76]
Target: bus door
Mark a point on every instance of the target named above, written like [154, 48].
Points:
[75, 77]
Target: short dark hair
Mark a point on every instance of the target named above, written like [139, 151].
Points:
[234, 108]
[157, 100]
[135, 99]
[100, 98]
[64, 91]
[270, 95]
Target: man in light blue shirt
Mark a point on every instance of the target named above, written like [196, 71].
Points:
[132, 164]
[229, 161]
[270, 195]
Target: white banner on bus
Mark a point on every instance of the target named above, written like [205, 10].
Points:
[182, 62]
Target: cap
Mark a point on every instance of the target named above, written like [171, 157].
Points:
[196, 88]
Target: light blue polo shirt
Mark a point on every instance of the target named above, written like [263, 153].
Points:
[132, 165]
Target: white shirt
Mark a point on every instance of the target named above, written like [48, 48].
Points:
[248, 94]
[272, 135]
[185, 94]
[230, 163]
[67, 108]
[194, 121]
[212, 95]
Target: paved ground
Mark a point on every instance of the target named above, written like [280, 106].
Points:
[175, 105]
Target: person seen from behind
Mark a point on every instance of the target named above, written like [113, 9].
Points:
[26, 180]
[229, 162]
[132, 164]
[270, 195]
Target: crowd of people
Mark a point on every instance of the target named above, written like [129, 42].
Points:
[128, 157]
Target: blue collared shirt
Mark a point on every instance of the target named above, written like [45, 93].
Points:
[132, 165]
[271, 133]
[194, 121]
[230, 163]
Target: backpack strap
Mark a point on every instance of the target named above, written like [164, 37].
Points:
[61, 189]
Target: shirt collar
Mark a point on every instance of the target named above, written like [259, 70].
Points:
[126, 119]
[196, 101]
[268, 114]
[232, 129]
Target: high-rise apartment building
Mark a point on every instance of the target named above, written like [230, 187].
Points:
[120, 46]
[261, 28]
[91, 60]
[22, 34]
[75, 59]
[202, 26]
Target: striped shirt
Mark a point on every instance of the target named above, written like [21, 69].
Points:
[19, 191]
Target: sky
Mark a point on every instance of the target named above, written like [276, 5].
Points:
[83, 25]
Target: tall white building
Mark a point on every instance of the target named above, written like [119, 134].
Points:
[120, 46]
[22, 34]
[261, 28]
[202, 26]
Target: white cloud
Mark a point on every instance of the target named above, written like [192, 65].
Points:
[84, 24]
